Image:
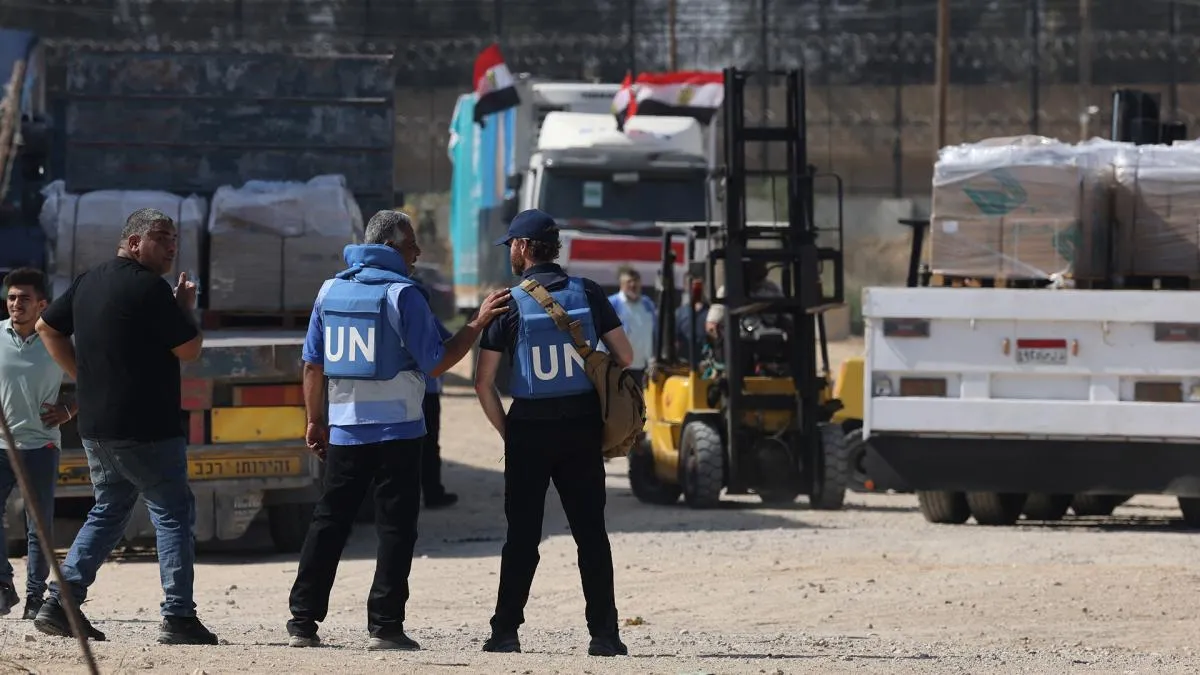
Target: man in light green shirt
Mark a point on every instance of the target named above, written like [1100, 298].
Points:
[29, 391]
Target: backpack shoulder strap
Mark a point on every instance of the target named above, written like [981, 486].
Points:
[558, 314]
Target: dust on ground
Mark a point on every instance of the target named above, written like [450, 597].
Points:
[739, 589]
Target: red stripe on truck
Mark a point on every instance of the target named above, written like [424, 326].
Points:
[1041, 344]
[597, 250]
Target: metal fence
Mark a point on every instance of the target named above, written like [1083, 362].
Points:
[1018, 66]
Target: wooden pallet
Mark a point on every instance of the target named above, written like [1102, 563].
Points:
[290, 320]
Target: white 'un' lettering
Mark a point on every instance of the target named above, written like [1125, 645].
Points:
[335, 348]
[572, 359]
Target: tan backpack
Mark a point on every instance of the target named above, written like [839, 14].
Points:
[622, 403]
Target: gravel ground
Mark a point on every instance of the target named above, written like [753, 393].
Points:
[740, 589]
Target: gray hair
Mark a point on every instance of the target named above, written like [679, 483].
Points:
[388, 226]
[140, 222]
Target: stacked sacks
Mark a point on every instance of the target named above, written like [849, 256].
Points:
[272, 244]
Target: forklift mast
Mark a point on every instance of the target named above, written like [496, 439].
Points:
[801, 250]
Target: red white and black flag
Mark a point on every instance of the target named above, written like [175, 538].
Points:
[495, 89]
[697, 94]
[624, 104]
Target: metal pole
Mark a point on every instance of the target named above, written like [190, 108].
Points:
[1035, 63]
[1173, 54]
[898, 106]
[942, 86]
[1085, 68]
[672, 45]
[764, 93]
[632, 18]
[497, 18]
[39, 525]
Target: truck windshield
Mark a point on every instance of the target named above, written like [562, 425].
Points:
[673, 197]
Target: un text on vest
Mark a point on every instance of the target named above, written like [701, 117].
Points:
[570, 360]
[349, 339]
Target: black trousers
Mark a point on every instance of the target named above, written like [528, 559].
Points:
[393, 467]
[431, 453]
[566, 451]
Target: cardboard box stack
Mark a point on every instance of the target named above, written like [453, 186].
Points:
[1156, 209]
[272, 245]
[1012, 208]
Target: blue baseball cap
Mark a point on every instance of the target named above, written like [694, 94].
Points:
[531, 224]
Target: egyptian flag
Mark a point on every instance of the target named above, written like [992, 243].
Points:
[624, 104]
[695, 94]
[494, 86]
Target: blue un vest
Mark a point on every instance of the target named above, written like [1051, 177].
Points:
[373, 379]
[545, 364]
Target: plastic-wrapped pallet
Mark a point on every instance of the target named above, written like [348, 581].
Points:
[1157, 211]
[1009, 207]
[272, 244]
[85, 230]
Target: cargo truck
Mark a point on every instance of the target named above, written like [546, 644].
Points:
[187, 124]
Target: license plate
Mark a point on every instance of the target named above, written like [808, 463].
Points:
[76, 472]
[1042, 352]
[244, 467]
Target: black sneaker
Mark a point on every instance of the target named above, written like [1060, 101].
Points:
[607, 645]
[51, 619]
[32, 605]
[441, 501]
[393, 641]
[184, 630]
[503, 643]
[8, 598]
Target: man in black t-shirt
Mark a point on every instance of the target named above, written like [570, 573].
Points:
[552, 431]
[131, 330]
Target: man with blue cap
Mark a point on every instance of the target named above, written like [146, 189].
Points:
[552, 431]
[373, 335]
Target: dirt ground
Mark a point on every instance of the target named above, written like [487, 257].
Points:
[740, 589]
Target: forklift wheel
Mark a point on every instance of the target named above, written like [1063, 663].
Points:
[832, 492]
[702, 464]
[646, 485]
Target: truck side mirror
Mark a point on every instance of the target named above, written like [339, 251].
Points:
[514, 181]
[510, 209]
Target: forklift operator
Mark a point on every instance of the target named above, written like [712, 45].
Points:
[757, 286]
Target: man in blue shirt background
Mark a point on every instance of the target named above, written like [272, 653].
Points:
[372, 333]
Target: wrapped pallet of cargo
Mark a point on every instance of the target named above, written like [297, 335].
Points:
[1013, 209]
[85, 229]
[272, 244]
[1157, 209]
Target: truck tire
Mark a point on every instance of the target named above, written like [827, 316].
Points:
[944, 508]
[831, 494]
[645, 483]
[1048, 507]
[288, 524]
[1191, 511]
[702, 464]
[856, 458]
[1096, 505]
[996, 508]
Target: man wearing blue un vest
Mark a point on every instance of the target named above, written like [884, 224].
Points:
[552, 431]
[373, 335]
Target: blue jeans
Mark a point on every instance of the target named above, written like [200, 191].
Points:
[121, 470]
[42, 465]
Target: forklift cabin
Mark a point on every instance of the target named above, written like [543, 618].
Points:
[754, 417]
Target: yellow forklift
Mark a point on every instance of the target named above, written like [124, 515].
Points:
[754, 415]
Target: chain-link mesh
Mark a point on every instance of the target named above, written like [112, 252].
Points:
[1016, 65]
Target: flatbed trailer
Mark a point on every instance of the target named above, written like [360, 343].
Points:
[243, 411]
